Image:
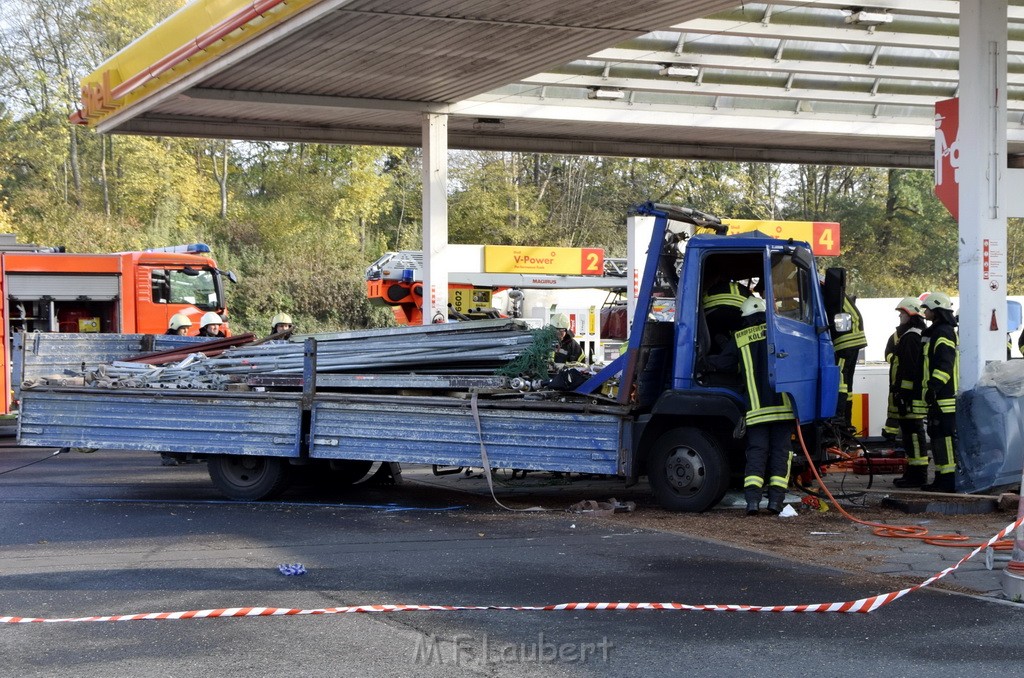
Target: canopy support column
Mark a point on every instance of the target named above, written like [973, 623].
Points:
[435, 218]
[982, 196]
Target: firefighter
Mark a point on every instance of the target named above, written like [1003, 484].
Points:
[940, 376]
[847, 347]
[906, 410]
[769, 417]
[722, 301]
[567, 349]
[209, 325]
[179, 324]
[282, 322]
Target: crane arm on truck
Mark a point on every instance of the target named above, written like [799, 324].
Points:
[396, 280]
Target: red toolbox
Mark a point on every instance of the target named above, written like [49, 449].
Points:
[873, 464]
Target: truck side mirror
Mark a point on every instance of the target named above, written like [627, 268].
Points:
[833, 290]
[230, 275]
[843, 322]
[802, 258]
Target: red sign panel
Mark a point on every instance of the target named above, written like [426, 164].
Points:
[592, 261]
[825, 240]
[947, 154]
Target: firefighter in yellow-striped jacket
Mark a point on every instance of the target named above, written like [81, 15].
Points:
[723, 303]
[940, 374]
[769, 417]
[847, 347]
[903, 353]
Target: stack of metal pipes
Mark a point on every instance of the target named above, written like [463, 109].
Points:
[190, 373]
[478, 347]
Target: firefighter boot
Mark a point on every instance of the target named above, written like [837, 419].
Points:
[943, 482]
[753, 496]
[776, 495]
[914, 476]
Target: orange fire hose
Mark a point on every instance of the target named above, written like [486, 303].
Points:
[898, 531]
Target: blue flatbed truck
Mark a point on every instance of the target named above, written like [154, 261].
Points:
[668, 421]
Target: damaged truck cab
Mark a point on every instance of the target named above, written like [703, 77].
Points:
[687, 422]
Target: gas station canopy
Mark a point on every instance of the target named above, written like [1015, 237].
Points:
[793, 81]
[797, 81]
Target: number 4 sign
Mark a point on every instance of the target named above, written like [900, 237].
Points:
[825, 241]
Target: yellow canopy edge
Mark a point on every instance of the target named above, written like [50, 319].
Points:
[195, 34]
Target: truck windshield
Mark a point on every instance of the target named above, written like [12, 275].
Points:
[189, 286]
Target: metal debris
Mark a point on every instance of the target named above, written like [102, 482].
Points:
[451, 356]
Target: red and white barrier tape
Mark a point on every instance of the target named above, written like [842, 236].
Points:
[862, 605]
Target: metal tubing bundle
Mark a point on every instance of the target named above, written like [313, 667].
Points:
[414, 352]
[210, 348]
[188, 373]
[477, 349]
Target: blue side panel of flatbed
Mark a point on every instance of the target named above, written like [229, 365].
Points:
[171, 421]
[443, 432]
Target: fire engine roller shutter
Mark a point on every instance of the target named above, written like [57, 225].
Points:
[65, 287]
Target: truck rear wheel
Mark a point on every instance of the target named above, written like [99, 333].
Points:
[687, 470]
[245, 478]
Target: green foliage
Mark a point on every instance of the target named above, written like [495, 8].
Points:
[116, 23]
[533, 362]
[897, 238]
[318, 286]
[493, 201]
[399, 227]
[7, 222]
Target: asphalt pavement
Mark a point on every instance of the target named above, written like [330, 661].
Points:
[115, 532]
[908, 559]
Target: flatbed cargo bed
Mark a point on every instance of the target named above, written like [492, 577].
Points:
[518, 433]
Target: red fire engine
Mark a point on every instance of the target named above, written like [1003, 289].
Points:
[48, 290]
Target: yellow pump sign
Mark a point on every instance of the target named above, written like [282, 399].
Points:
[822, 235]
[547, 260]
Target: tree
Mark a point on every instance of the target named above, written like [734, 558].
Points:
[493, 199]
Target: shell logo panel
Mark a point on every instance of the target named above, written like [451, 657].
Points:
[547, 260]
[823, 236]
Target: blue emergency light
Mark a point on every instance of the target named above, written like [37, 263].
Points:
[194, 248]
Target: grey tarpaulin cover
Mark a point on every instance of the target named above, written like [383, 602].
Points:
[990, 425]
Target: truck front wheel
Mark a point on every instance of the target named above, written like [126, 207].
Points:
[687, 470]
[244, 478]
[345, 472]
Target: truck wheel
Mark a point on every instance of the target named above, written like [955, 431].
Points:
[245, 478]
[687, 470]
[345, 472]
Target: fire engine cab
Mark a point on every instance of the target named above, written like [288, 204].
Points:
[48, 290]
